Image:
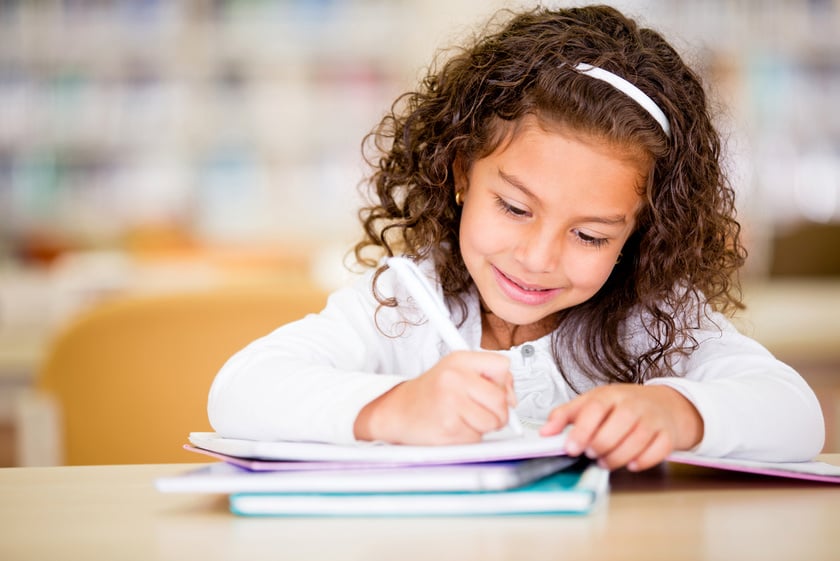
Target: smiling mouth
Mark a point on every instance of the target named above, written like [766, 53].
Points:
[523, 293]
[523, 286]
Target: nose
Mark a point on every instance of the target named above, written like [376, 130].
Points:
[539, 251]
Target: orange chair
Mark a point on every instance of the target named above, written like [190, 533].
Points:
[130, 376]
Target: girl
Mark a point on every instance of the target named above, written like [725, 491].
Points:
[560, 180]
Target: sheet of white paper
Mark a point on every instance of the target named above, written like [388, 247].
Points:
[223, 477]
[496, 448]
[815, 471]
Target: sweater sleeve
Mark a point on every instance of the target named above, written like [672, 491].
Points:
[753, 406]
[309, 379]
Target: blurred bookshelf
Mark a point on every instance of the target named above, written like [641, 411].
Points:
[222, 138]
[230, 121]
[240, 121]
[774, 66]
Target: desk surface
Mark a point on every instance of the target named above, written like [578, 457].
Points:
[673, 512]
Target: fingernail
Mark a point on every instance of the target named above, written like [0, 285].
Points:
[590, 453]
[633, 466]
[572, 448]
[602, 464]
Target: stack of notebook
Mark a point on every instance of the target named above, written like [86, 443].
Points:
[522, 475]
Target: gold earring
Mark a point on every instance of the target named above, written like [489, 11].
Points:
[459, 198]
[618, 259]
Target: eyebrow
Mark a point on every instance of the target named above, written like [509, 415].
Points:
[515, 182]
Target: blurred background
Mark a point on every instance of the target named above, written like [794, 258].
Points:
[150, 146]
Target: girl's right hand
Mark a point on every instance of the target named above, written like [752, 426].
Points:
[462, 397]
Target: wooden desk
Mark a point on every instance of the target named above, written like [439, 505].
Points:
[675, 513]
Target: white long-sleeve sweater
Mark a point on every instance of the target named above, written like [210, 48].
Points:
[309, 379]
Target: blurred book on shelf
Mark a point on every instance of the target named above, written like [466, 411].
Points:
[241, 122]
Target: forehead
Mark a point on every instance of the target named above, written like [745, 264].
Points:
[504, 132]
[564, 175]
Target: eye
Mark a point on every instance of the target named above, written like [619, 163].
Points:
[508, 208]
[586, 239]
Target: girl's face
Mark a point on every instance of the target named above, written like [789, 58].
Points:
[544, 219]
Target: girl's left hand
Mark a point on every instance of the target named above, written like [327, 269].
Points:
[627, 425]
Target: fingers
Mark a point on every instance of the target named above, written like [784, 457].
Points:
[487, 409]
[584, 414]
[461, 398]
[640, 449]
[627, 449]
[489, 393]
[560, 418]
[656, 452]
[620, 426]
[494, 367]
[585, 434]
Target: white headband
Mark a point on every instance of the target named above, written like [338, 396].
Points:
[630, 90]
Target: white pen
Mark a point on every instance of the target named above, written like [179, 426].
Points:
[426, 297]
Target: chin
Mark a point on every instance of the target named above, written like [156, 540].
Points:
[518, 314]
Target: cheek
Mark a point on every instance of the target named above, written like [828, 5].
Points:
[590, 271]
[480, 233]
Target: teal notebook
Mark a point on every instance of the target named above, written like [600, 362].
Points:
[572, 491]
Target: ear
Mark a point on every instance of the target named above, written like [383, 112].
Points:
[459, 175]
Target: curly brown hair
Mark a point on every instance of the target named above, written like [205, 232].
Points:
[682, 259]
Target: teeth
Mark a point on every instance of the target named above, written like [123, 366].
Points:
[531, 289]
[524, 288]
